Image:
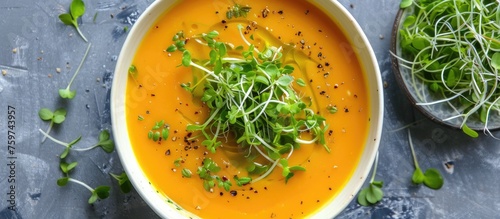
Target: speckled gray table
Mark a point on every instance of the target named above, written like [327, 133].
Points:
[38, 55]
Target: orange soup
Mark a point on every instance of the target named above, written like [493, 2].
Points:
[326, 75]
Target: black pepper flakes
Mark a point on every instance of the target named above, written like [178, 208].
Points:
[346, 110]
[167, 152]
[320, 66]
[280, 12]
[322, 92]
[306, 12]
[265, 12]
[233, 193]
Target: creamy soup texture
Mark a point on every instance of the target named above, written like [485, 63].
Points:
[333, 78]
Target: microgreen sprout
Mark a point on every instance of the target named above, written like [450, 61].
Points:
[179, 42]
[123, 182]
[67, 146]
[237, 11]
[159, 131]
[56, 117]
[133, 72]
[100, 192]
[241, 181]
[288, 171]
[405, 3]
[252, 97]
[332, 109]
[206, 171]
[452, 48]
[76, 10]
[301, 82]
[373, 193]
[186, 173]
[105, 142]
[67, 93]
[178, 161]
[431, 178]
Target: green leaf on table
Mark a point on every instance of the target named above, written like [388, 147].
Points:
[62, 181]
[45, 114]
[371, 194]
[65, 167]
[101, 192]
[123, 182]
[105, 142]
[418, 176]
[67, 94]
[66, 19]
[433, 179]
[77, 9]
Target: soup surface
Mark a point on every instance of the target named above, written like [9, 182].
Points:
[323, 57]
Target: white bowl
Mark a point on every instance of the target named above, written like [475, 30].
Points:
[161, 204]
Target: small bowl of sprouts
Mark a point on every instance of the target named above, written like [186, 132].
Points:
[446, 56]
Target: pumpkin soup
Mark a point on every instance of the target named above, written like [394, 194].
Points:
[251, 110]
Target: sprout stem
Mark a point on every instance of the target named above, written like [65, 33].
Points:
[79, 66]
[413, 150]
[82, 184]
[48, 130]
[53, 139]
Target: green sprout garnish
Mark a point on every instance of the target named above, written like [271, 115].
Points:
[76, 10]
[105, 143]
[237, 11]
[100, 192]
[431, 178]
[159, 131]
[123, 182]
[56, 117]
[373, 193]
[67, 93]
[67, 146]
[252, 96]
